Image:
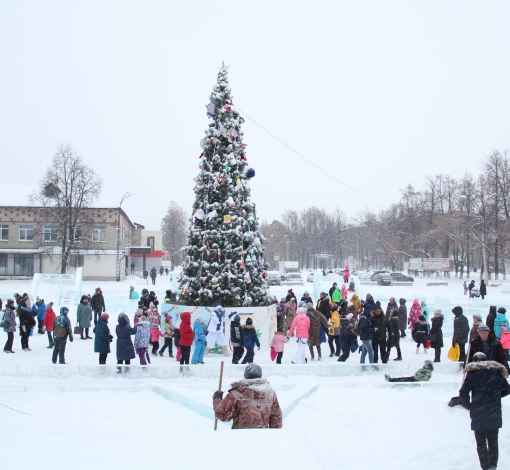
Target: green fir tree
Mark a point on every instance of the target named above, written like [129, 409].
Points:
[223, 261]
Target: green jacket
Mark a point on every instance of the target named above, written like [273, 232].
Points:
[336, 296]
[102, 337]
[424, 374]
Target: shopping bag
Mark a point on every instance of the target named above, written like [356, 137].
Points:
[354, 345]
[77, 330]
[273, 354]
[454, 353]
[505, 340]
[428, 343]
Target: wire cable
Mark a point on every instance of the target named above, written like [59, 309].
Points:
[304, 158]
[14, 409]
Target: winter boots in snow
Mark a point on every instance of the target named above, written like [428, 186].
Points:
[50, 346]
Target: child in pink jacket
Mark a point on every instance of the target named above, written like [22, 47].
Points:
[278, 342]
[301, 324]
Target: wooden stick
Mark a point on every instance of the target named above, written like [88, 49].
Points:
[465, 364]
[219, 390]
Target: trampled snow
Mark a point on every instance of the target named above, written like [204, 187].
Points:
[335, 415]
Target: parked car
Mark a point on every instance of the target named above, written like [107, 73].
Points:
[309, 277]
[294, 279]
[383, 279]
[380, 271]
[401, 277]
[273, 278]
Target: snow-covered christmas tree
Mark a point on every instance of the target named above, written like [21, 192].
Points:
[224, 258]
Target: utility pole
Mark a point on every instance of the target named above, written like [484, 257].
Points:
[118, 236]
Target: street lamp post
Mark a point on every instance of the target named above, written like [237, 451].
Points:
[118, 235]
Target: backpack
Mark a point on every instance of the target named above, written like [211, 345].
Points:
[356, 330]
[60, 331]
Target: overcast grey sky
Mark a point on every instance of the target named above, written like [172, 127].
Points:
[378, 93]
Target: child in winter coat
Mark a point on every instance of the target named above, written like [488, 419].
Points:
[177, 337]
[420, 332]
[167, 335]
[334, 332]
[186, 338]
[48, 322]
[250, 339]
[414, 313]
[422, 375]
[200, 340]
[278, 343]
[236, 337]
[142, 339]
[155, 320]
[344, 292]
[500, 320]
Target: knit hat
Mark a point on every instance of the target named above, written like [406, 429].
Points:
[309, 306]
[457, 310]
[105, 316]
[139, 312]
[301, 310]
[50, 305]
[438, 312]
[201, 318]
[64, 310]
[477, 316]
[502, 310]
[306, 292]
[479, 357]
[237, 318]
[429, 364]
[10, 302]
[249, 321]
[369, 296]
[482, 327]
[253, 371]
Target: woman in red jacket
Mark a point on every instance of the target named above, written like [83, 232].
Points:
[187, 337]
[48, 323]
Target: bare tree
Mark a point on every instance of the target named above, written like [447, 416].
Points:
[174, 226]
[65, 196]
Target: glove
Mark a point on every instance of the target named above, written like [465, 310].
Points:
[217, 395]
[258, 349]
[360, 348]
[71, 338]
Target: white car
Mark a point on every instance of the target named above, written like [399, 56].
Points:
[309, 277]
[293, 279]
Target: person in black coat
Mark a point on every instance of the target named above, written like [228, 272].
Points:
[394, 338]
[460, 331]
[420, 332]
[489, 321]
[97, 304]
[489, 345]
[323, 305]
[306, 298]
[381, 325]
[487, 384]
[436, 334]
[290, 295]
[483, 289]
[125, 348]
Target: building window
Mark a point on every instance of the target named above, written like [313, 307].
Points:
[99, 233]
[23, 265]
[76, 261]
[26, 232]
[50, 233]
[150, 242]
[3, 264]
[4, 232]
[75, 234]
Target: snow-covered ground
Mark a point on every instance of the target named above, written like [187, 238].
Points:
[335, 415]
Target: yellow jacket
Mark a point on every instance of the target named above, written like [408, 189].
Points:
[334, 324]
[357, 302]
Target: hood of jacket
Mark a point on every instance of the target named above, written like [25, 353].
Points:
[482, 365]
[440, 317]
[186, 318]
[249, 327]
[253, 388]
[123, 319]
[402, 301]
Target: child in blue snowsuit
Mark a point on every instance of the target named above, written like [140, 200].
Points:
[200, 341]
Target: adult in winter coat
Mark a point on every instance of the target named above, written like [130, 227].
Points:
[477, 320]
[290, 295]
[251, 402]
[84, 317]
[334, 332]
[199, 340]
[153, 298]
[250, 340]
[314, 333]
[420, 332]
[125, 348]
[186, 339]
[436, 334]
[142, 338]
[145, 300]
[414, 313]
[500, 320]
[215, 331]
[489, 345]
[323, 305]
[102, 338]
[369, 305]
[26, 313]
[460, 331]
[394, 337]
[381, 327]
[97, 304]
[331, 289]
[236, 337]
[483, 289]
[487, 384]
[391, 305]
[306, 298]
[289, 312]
[491, 317]
[402, 317]
[367, 333]
[154, 274]
[335, 294]
[49, 320]
[62, 331]
[347, 337]
[10, 325]
[300, 324]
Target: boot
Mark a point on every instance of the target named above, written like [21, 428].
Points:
[207, 352]
[225, 351]
[399, 355]
[87, 334]
[418, 349]
[50, 346]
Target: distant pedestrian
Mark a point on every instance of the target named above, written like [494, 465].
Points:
[487, 384]
[48, 323]
[186, 339]
[394, 337]
[133, 267]
[436, 334]
[483, 289]
[102, 338]
[236, 337]
[491, 317]
[84, 317]
[142, 339]
[460, 331]
[62, 331]
[97, 304]
[402, 317]
[9, 325]
[250, 340]
[154, 274]
[125, 348]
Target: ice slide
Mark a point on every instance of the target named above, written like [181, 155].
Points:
[64, 290]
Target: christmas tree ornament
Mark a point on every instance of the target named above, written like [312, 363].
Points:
[255, 272]
[227, 167]
[227, 219]
[261, 261]
[249, 173]
[219, 255]
[230, 202]
[238, 182]
[199, 214]
[264, 275]
[210, 109]
[247, 278]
